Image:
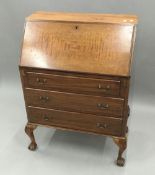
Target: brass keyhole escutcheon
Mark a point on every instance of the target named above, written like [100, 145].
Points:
[46, 118]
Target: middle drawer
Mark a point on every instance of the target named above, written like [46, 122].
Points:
[74, 102]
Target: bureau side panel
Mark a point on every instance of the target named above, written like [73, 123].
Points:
[22, 77]
[125, 82]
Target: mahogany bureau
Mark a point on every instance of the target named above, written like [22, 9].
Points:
[75, 72]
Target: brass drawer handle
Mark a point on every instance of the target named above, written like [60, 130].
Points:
[41, 81]
[102, 106]
[105, 88]
[102, 125]
[44, 98]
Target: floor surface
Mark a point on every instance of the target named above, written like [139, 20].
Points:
[72, 153]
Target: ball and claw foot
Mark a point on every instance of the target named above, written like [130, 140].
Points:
[120, 161]
[32, 146]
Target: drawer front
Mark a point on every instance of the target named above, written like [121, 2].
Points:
[75, 121]
[75, 102]
[73, 84]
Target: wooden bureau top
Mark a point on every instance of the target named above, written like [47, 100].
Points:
[87, 43]
[83, 17]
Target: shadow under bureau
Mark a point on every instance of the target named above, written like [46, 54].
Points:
[75, 72]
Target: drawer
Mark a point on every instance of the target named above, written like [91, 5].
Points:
[75, 102]
[75, 121]
[73, 84]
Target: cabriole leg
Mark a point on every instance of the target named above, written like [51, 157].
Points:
[121, 142]
[29, 128]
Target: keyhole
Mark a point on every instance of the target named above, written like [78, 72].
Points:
[76, 27]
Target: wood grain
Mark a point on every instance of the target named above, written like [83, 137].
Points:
[100, 48]
[75, 102]
[73, 120]
[83, 17]
[103, 87]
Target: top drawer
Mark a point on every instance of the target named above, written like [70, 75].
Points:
[72, 84]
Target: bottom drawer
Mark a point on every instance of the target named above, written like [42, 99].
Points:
[75, 121]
